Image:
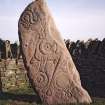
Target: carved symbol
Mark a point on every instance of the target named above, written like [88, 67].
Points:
[34, 65]
[68, 93]
[41, 80]
[28, 18]
[47, 47]
[49, 92]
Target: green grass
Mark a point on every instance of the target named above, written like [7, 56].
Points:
[11, 102]
[23, 90]
[26, 96]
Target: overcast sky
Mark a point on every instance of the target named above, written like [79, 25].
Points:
[76, 19]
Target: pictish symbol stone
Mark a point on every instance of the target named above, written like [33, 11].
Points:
[47, 60]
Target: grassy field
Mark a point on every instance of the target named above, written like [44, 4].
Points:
[27, 96]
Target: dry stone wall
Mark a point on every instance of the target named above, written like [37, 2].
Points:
[13, 76]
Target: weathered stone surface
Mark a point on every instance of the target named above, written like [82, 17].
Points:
[48, 62]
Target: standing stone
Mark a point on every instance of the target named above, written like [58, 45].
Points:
[47, 60]
[0, 55]
[0, 79]
[8, 49]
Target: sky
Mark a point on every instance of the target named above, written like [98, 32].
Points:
[75, 19]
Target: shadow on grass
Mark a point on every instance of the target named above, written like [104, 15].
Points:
[20, 97]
